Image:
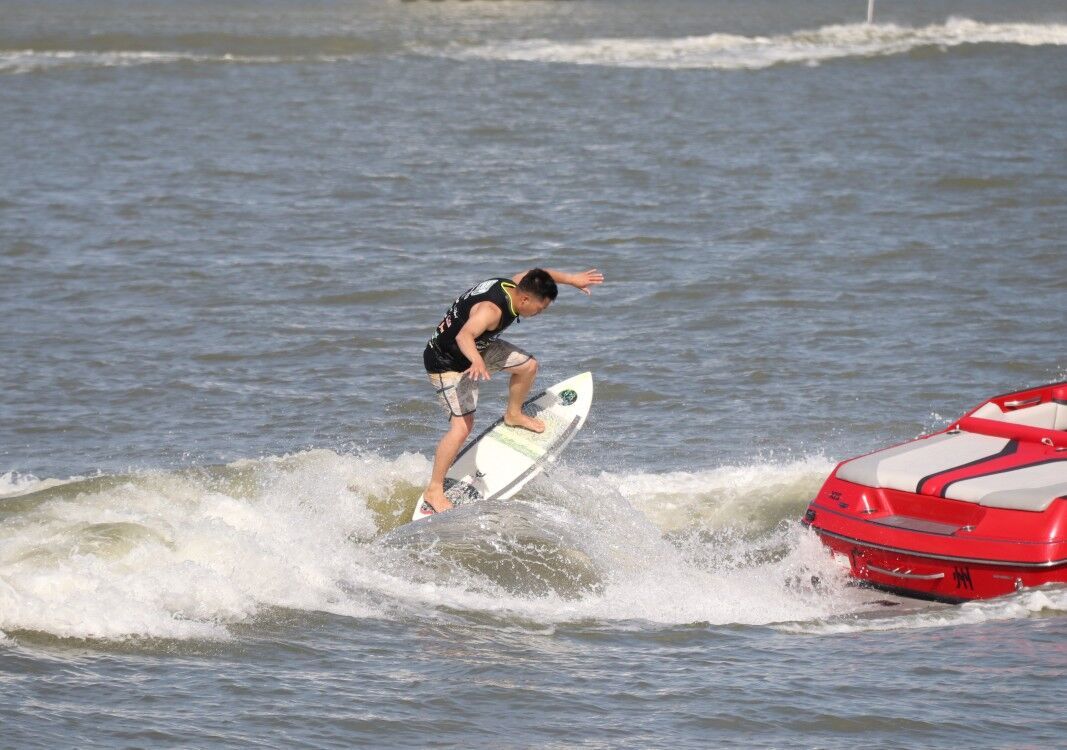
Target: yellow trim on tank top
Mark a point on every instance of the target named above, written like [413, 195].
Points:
[511, 303]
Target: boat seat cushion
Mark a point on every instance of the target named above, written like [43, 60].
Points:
[904, 467]
[1031, 487]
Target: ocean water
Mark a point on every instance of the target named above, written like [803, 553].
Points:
[228, 228]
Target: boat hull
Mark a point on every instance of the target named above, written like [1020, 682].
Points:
[975, 511]
[942, 578]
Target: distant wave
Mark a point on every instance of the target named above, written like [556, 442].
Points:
[734, 52]
[127, 50]
[722, 51]
[31, 61]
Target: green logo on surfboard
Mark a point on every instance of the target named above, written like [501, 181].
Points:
[568, 397]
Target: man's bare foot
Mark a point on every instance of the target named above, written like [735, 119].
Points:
[435, 496]
[525, 422]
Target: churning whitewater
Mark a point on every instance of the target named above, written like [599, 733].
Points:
[188, 554]
[185, 554]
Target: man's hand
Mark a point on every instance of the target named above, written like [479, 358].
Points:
[582, 281]
[477, 370]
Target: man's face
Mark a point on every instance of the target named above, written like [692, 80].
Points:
[528, 305]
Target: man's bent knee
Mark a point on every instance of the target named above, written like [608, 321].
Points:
[528, 367]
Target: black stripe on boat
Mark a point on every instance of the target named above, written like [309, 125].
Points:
[1007, 450]
[1001, 471]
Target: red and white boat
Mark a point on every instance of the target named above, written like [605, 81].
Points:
[974, 511]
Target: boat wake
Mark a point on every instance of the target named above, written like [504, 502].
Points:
[189, 554]
[192, 554]
[735, 52]
[1048, 601]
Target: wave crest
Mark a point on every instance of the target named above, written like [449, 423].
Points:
[712, 51]
[735, 52]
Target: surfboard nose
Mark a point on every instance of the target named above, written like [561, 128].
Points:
[583, 383]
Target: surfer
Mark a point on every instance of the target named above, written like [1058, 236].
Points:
[465, 349]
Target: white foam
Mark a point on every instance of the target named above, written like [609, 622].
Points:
[716, 51]
[188, 554]
[1019, 606]
[14, 483]
[647, 577]
[736, 52]
[181, 556]
[31, 61]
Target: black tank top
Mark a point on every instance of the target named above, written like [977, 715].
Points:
[442, 354]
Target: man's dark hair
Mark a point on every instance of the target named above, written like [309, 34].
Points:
[538, 283]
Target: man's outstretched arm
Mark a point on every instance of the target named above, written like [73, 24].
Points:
[581, 280]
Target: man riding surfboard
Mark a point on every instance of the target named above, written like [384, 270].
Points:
[465, 349]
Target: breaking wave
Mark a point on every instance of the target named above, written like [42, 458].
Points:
[189, 554]
[734, 52]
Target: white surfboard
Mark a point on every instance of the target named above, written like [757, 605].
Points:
[500, 461]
